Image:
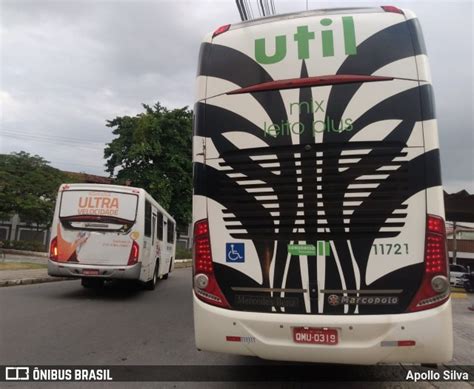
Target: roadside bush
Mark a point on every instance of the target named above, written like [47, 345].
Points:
[183, 253]
[23, 245]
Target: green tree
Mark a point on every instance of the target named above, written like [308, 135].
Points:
[28, 187]
[152, 150]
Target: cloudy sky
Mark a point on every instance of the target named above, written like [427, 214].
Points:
[68, 66]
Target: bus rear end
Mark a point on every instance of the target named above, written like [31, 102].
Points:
[95, 233]
[318, 206]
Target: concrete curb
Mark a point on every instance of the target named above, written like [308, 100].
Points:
[25, 252]
[29, 281]
[182, 263]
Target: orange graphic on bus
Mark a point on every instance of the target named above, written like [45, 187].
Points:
[67, 251]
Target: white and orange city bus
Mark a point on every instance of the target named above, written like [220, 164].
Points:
[318, 206]
[104, 232]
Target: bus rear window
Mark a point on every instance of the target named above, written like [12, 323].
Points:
[98, 205]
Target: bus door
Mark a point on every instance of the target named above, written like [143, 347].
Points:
[167, 249]
[154, 241]
[148, 238]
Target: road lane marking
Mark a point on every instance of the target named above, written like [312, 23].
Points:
[457, 295]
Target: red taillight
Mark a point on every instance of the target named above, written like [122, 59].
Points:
[205, 284]
[134, 253]
[221, 30]
[203, 258]
[436, 224]
[201, 228]
[435, 260]
[53, 249]
[391, 8]
[434, 289]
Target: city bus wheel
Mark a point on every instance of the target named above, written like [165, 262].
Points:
[165, 277]
[151, 285]
[169, 270]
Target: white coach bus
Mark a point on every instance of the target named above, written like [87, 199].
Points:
[104, 232]
[318, 206]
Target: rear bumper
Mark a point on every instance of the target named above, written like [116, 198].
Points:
[269, 335]
[59, 269]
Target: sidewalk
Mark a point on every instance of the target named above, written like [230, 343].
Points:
[26, 277]
[24, 258]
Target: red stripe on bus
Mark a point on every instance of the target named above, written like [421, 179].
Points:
[308, 82]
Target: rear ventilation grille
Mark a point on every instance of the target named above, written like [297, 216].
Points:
[303, 192]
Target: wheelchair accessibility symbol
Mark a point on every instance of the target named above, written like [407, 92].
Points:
[235, 252]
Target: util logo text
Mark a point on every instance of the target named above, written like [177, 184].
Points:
[303, 38]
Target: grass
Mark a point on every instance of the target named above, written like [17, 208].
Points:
[457, 289]
[21, 266]
[182, 253]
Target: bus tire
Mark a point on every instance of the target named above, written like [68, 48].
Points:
[165, 277]
[151, 285]
[92, 283]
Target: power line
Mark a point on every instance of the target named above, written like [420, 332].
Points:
[267, 8]
[47, 135]
[51, 140]
[249, 5]
[55, 139]
[240, 5]
[240, 10]
[247, 13]
[261, 9]
[76, 164]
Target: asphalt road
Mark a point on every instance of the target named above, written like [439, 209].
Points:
[61, 323]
